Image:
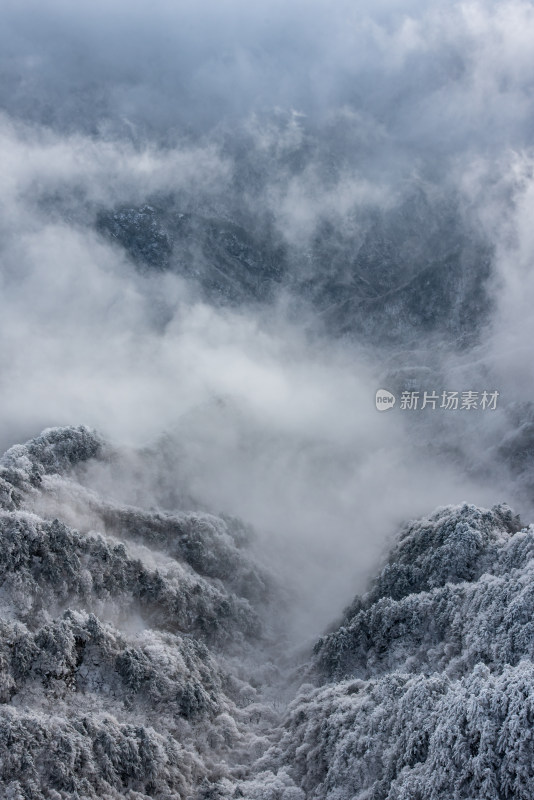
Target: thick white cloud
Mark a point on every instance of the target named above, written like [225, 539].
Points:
[331, 108]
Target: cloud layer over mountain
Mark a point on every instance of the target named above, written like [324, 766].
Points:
[223, 227]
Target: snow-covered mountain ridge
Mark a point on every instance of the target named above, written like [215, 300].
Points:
[114, 655]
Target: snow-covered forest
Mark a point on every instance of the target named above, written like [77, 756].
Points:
[139, 656]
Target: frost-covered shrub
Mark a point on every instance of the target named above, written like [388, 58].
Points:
[422, 737]
[44, 756]
[80, 654]
[56, 450]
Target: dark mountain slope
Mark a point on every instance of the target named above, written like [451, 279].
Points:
[386, 276]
